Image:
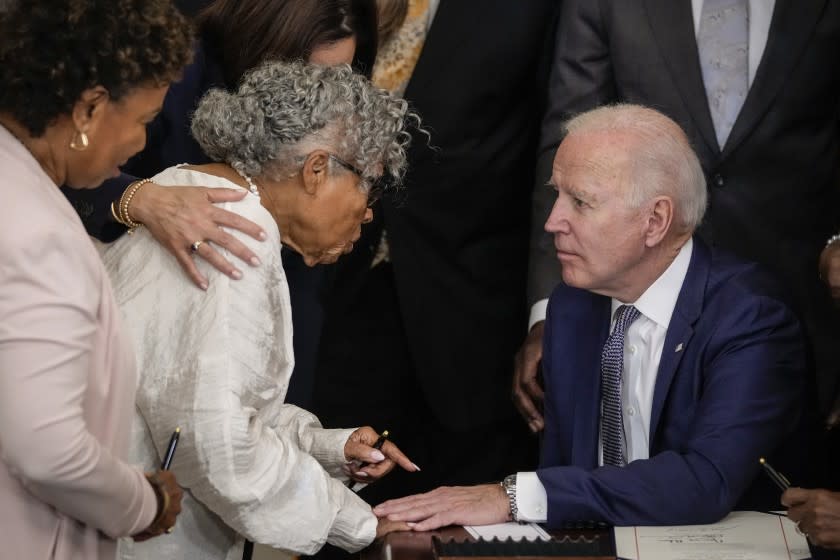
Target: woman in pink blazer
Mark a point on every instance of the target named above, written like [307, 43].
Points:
[81, 78]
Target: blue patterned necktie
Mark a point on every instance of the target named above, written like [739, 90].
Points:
[723, 45]
[612, 364]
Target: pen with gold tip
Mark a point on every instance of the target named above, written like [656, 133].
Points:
[170, 450]
[781, 481]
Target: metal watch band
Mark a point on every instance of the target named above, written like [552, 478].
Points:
[509, 484]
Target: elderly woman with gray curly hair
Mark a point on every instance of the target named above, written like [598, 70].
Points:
[307, 142]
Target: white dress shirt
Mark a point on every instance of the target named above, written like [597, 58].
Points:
[760, 16]
[217, 364]
[643, 345]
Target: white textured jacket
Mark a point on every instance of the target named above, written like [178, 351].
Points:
[218, 364]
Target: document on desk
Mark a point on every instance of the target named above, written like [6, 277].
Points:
[502, 531]
[742, 535]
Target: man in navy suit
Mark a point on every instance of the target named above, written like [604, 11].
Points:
[669, 369]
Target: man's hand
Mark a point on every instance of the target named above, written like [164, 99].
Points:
[527, 392]
[179, 216]
[816, 513]
[359, 449]
[458, 505]
[830, 269]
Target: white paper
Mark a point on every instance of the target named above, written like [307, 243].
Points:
[742, 535]
[502, 531]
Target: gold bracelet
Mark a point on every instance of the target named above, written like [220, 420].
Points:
[125, 201]
[114, 213]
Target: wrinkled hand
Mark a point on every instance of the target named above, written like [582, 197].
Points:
[180, 216]
[449, 505]
[830, 269]
[817, 514]
[359, 449]
[167, 521]
[386, 526]
[527, 392]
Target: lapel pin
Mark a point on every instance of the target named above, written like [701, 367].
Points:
[679, 347]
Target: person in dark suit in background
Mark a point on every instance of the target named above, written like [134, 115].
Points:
[234, 36]
[753, 85]
[651, 344]
[424, 329]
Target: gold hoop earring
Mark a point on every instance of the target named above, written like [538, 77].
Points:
[80, 141]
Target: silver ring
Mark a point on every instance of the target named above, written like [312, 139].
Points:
[194, 247]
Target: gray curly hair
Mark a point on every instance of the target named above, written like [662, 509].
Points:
[282, 111]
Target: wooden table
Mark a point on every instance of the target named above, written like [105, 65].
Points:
[418, 546]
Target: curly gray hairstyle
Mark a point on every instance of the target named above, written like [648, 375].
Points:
[281, 111]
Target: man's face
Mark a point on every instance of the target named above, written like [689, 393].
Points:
[599, 239]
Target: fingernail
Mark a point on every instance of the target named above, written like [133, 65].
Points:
[263, 236]
[237, 274]
[255, 261]
[416, 468]
[362, 474]
[203, 286]
[377, 455]
[410, 524]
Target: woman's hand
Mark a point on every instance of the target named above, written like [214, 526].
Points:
[169, 496]
[816, 513]
[359, 449]
[180, 216]
[386, 526]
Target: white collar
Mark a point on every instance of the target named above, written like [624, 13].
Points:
[658, 301]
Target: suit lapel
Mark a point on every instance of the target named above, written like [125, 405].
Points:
[591, 331]
[672, 24]
[790, 29]
[681, 328]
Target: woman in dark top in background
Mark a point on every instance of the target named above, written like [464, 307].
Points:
[234, 36]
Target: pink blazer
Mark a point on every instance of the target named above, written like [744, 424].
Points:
[67, 380]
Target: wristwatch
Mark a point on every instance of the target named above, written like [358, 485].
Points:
[509, 485]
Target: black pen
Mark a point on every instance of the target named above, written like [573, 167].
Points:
[170, 450]
[781, 481]
[380, 441]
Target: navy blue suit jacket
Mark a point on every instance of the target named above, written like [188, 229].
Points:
[728, 391]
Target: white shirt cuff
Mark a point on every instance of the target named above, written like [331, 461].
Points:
[538, 311]
[531, 499]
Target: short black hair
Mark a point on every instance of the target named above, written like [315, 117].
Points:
[53, 50]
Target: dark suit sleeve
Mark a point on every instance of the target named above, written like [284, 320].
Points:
[581, 78]
[551, 454]
[747, 403]
[94, 206]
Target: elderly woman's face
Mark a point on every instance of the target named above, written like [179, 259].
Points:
[332, 209]
[116, 131]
